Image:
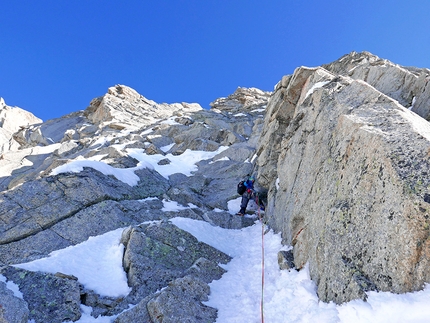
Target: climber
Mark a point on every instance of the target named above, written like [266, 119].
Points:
[249, 193]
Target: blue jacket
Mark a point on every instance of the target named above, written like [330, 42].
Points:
[249, 184]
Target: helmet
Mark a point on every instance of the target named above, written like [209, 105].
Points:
[251, 178]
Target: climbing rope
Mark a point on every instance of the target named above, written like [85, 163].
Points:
[262, 261]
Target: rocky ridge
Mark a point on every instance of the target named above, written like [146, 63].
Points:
[342, 150]
[407, 85]
[42, 212]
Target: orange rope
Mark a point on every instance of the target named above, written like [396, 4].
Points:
[262, 262]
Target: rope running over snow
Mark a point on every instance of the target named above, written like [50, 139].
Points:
[262, 261]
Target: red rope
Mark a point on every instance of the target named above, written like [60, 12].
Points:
[262, 262]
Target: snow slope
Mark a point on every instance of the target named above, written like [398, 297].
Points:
[289, 296]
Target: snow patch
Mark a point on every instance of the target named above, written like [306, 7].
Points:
[184, 163]
[175, 206]
[221, 159]
[239, 115]
[12, 286]
[165, 149]
[97, 263]
[315, 87]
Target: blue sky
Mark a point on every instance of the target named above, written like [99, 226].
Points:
[56, 56]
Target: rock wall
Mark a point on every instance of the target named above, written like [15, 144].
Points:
[347, 169]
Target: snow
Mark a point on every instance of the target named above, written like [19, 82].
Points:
[420, 125]
[170, 121]
[175, 207]
[413, 103]
[240, 115]
[125, 175]
[225, 158]
[314, 87]
[148, 131]
[352, 69]
[97, 263]
[165, 149]
[100, 142]
[184, 163]
[234, 205]
[262, 109]
[11, 286]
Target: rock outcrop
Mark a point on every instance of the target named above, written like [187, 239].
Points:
[11, 120]
[347, 170]
[159, 255]
[50, 298]
[409, 86]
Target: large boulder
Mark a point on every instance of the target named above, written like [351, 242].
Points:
[158, 253]
[182, 301]
[347, 171]
[169, 271]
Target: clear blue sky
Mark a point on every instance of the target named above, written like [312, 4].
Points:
[55, 56]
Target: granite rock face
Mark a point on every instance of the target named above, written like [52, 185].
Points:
[159, 253]
[348, 184]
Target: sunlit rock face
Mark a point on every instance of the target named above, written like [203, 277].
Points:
[406, 84]
[347, 171]
[11, 120]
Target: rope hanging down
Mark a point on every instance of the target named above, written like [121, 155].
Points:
[262, 261]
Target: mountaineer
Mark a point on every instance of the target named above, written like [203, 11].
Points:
[246, 189]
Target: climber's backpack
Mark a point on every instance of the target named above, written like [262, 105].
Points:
[241, 188]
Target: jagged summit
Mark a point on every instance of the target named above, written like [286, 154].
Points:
[243, 99]
[123, 107]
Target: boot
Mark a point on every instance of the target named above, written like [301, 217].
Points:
[241, 212]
